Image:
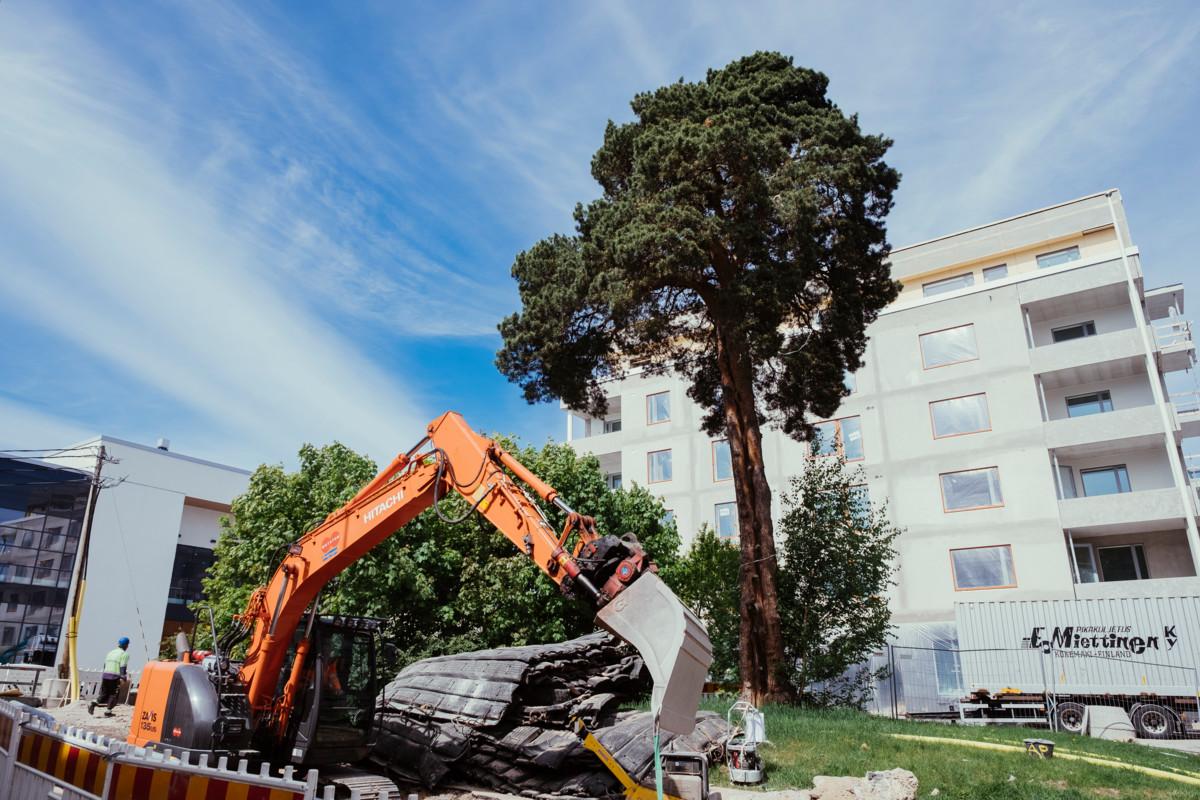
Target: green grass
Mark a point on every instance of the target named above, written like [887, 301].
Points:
[807, 743]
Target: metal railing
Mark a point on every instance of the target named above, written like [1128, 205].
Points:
[1169, 332]
[1186, 402]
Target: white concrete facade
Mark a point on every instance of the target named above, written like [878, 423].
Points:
[1065, 328]
[163, 500]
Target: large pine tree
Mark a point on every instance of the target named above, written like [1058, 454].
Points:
[739, 242]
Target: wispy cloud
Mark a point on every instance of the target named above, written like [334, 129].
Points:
[129, 256]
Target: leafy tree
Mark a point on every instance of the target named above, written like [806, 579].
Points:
[739, 242]
[706, 579]
[838, 558]
[441, 587]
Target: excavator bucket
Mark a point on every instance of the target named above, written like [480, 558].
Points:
[671, 640]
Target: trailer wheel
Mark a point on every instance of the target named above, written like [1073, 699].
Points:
[1152, 721]
[1069, 717]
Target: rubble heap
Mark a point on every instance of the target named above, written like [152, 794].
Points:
[499, 719]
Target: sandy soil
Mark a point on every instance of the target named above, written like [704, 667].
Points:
[77, 714]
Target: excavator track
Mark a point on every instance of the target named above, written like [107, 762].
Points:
[369, 785]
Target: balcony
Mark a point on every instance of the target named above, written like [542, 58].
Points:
[1088, 359]
[1152, 587]
[1128, 512]
[1174, 342]
[1187, 413]
[1094, 433]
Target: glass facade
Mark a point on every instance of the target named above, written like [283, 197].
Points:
[191, 564]
[41, 516]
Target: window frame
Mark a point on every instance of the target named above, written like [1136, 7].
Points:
[649, 468]
[839, 440]
[1137, 563]
[713, 454]
[1074, 247]
[665, 419]
[933, 422]
[1011, 560]
[1061, 486]
[717, 517]
[850, 382]
[1095, 561]
[1083, 325]
[1096, 394]
[942, 490]
[992, 268]
[1112, 467]
[920, 348]
[970, 276]
[608, 480]
[611, 425]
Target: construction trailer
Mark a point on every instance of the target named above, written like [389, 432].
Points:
[1052, 662]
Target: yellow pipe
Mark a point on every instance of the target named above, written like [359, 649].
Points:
[72, 642]
[1191, 780]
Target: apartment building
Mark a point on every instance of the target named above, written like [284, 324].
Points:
[1012, 411]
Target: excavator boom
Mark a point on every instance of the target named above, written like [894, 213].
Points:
[610, 573]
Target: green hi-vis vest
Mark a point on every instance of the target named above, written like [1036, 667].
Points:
[116, 661]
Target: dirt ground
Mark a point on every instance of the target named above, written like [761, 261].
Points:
[76, 714]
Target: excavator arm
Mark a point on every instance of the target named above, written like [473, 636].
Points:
[611, 574]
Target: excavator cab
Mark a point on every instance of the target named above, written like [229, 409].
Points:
[335, 720]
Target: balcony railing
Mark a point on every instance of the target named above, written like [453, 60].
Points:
[1186, 402]
[1168, 332]
[1192, 464]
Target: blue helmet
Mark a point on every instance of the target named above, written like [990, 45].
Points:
[123, 641]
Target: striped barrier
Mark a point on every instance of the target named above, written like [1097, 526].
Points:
[131, 781]
[59, 758]
[40, 759]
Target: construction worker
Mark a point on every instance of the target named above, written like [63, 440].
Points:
[116, 665]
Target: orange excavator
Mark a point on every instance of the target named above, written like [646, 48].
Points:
[305, 692]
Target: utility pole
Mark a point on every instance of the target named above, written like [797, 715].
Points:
[79, 576]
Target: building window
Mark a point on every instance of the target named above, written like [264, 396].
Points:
[1064, 256]
[983, 568]
[1126, 562]
[971, 489]
[947, 667]
[668, 518]
[722, 461]
[1077, 331]
[849, 381]
[1105, 480]
[860, 503]
[190, 567]
[658, 408]
[948, 284]
[1086, 404]
[612, 426]
[949, 346]
[1066, 480]
[960, 415]
[1085, 564]
[659, 466]
[613, 480]
[995, 273]
[842, 436]
[726, 520]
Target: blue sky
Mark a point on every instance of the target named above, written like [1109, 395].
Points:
[248, 227]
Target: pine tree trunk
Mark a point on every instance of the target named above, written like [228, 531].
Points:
[760, 639]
